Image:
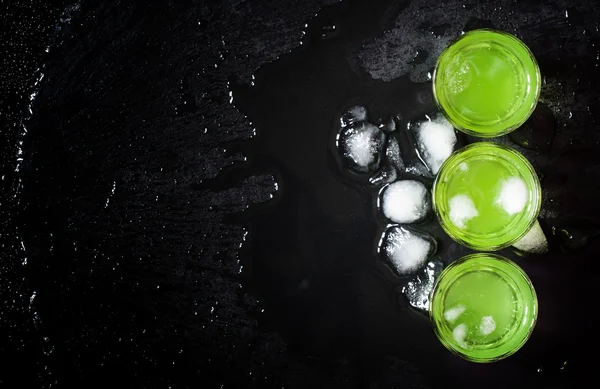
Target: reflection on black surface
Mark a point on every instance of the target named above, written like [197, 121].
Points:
[135, 110]
[388, 326]
[538, 132]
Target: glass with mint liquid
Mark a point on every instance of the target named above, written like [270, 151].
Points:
[486, 83]
[483, 307]
[486, 196]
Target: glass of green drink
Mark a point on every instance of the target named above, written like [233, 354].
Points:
[486, 83]
[486, 196]
[483, 307]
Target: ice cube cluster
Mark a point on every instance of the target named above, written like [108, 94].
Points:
[400, 160]
[397, 159]
[366, 148]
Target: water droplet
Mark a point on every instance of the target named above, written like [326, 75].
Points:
[328, 30]
[564, 366]
[112, 192]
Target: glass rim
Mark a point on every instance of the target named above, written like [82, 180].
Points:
[504, 131]
[493, 257]
[536, 207]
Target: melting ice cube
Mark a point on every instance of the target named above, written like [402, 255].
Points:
[487, 325]
[460, 334]
[407, 250]
[393, 154]
[405, 201]
[354, 114]
[435, 141]
[386, 175]
[418, 290]
[392, 164]
[453, 313]
[462, 209]
[513, 195]
[361, 146]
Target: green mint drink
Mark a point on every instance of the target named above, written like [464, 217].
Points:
[486, 196]
[486, 83]
[483, 307]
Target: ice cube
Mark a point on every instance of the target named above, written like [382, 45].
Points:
[435, 142]
[460, 334]
[534, 241]
[405, 201]
[386, 175]
[487, 325]
[462, 209]
[393, 154]
[513, 195]
[453, 313]
[418, 290]
[353, 115]
[361, 146]
[418, 169]
[405, 249]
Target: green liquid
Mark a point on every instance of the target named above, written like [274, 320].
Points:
[486, 196]
[487, 83]
[483, 307]
[487, 316]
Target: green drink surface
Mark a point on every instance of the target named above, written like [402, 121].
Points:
[487, 316]
[487, 83]
[494, 82]
[483, 307]
[486, 196]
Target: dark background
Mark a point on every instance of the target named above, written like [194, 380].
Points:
[172, 214]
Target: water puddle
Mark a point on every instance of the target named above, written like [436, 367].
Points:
[361, 77]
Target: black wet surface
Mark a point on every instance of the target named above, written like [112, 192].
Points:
[150, 239]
